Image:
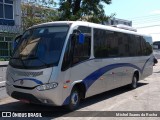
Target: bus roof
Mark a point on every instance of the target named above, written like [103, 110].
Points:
[94, 25]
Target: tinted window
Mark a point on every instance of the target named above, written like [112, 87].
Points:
[134, 43]
[84, 29]
[8, 11]
[75, 51]
[3, 45]
[146, 43]
[137, 48]
[100, 46]
[1, 10]
[123, 46]
[40, 47]
[82, 51]
[116, 44]
[1, 38]
[67, 56]
[9, 1]
[8, 38]
[105, 43]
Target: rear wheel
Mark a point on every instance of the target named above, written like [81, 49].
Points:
[74, 100]
[133, 85]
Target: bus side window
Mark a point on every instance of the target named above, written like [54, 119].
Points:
[76, 52]
[67, 59]
[82, 51]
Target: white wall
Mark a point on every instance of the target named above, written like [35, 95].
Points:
[17, 12]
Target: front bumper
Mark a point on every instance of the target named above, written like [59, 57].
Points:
[50, 97]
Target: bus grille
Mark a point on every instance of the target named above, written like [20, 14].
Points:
[26, 74]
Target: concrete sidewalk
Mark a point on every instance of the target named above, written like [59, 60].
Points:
[3, 67]
[3, 63]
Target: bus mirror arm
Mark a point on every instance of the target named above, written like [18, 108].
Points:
[76, 31]
[16, 41]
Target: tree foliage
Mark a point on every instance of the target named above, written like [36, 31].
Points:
[89, 10]
[38, 11]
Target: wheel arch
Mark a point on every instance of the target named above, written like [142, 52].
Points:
[137, 73]
[81, 88]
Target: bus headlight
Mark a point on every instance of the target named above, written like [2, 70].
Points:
[47, 86]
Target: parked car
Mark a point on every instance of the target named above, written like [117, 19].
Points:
[155, 61]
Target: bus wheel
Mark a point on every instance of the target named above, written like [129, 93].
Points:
[134, 82]
[74, 100]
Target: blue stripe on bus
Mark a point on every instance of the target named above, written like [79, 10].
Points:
[90, 79]
[31, 79]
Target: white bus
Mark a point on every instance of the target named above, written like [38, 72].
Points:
[60, 63]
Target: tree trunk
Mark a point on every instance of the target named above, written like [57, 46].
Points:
[77, 5]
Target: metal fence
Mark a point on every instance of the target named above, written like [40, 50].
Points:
[6, 47]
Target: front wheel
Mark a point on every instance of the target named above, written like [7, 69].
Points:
[74, 100]
[134, 82]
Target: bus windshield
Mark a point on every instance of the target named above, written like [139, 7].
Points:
[39, 47]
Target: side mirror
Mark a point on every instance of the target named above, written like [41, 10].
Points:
[16, 41]
[81, 38]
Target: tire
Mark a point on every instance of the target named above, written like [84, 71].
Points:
[74, 100]
[133, 85]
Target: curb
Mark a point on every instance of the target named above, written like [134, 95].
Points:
[2, 84]
[3, 65]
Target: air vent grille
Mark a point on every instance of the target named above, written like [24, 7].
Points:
[26, 74]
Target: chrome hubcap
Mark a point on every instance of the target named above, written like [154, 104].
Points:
[74, 98]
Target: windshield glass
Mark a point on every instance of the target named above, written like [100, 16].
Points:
[40, 47]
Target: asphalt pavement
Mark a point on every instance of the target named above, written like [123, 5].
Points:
[144, 98]
[3, 67]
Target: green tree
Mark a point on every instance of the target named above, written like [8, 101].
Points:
[39, 11]
[89, 10]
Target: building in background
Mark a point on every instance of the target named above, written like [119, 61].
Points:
[35, 13]
[10, 25]
[116, 21]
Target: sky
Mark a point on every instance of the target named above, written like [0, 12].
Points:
[144, 14]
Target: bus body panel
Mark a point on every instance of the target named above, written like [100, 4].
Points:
[30, 83]
[83, 71]
[45, 97]
[29, 78]
[110, 74]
